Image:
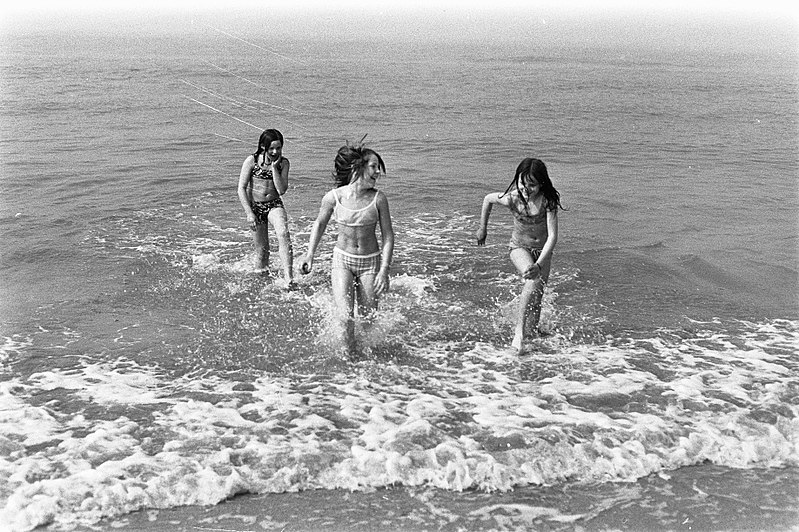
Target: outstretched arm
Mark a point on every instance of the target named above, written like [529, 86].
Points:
[244, 196]
[319, 226]
[488, 203]
[387, 253]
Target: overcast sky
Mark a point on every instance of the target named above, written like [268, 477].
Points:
[550, 21]
[754, 6]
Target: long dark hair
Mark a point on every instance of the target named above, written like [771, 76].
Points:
[351, 161]
[266, 139]
[536, 169]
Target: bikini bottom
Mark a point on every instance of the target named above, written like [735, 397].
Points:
[261, 209]
[358, 265]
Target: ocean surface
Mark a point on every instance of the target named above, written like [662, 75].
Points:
[144, 366]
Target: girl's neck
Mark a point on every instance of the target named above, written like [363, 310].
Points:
[527, 198]
[358, 186]
[531, 202]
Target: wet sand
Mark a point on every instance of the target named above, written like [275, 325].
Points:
[693, 498]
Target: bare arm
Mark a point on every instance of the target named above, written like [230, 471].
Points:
[319, 226]
[488, 203]
[552, 237]
[245, 178]
[281, 178]
[541, 265]
[387, 253]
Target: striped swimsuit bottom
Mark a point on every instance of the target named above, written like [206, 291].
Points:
[358, 265]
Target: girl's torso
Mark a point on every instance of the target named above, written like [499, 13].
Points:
[263, 181]
[529, 223]
[357, 216]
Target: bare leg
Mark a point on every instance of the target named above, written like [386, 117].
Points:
[540, 285]
[367, 300]
[530, 298]
[343, 295]
[526, 300]
[533, 309]
[279, 220]
[261, 239]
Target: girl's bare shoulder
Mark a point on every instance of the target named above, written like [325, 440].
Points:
[330, 196]
[506, 198]
[380, 195]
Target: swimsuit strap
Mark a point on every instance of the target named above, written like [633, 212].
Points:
[338, 201]
[524, 209]
[262, 172]
[355, 217]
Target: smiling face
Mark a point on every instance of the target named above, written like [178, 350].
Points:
[274, 150]
[372, 171]
[530, 185]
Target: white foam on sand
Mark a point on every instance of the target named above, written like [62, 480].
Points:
[475, 418]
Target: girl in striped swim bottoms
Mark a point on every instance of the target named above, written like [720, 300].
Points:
[360, 266]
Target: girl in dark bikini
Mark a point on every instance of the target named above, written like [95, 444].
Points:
[263, 180]
[534, 203]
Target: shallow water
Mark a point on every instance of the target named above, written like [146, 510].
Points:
[144, 366]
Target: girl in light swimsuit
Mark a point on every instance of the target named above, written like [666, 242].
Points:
[534, 203]
[359, 271]
[263, 180]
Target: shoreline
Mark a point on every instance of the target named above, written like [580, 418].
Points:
[693, 498]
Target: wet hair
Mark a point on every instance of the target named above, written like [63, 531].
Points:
[266, 140]
[352, 161]
[536, 169]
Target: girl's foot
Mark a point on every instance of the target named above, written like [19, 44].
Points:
[517, 342]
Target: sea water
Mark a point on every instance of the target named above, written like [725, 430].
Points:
[144, 364]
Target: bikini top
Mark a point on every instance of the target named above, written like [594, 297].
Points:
[355, 217]
[523, 217]
[262, 172]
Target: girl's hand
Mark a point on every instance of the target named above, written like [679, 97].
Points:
[481, 236]
[532, 272]
[251, 221]
[306, 266]
[381, 283]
